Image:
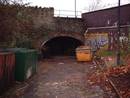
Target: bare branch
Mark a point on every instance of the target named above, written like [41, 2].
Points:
[96, 5]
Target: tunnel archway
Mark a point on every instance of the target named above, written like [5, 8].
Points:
[60, 46]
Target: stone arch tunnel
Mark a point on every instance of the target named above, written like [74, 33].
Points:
[60, 46]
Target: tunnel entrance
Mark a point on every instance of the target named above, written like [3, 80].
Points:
[60, 46]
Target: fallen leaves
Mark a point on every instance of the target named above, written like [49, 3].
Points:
[120, 77]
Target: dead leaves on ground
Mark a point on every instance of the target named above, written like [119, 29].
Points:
[117, 74]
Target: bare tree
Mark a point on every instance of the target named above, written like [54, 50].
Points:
[95, 5]
[15, 21]
[14, 2]
[4, 1]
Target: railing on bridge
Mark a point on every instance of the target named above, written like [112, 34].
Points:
[67, 13]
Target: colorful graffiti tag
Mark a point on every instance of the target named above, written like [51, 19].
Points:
[96, 40]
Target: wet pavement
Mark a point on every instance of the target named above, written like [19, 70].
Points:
[63, 77]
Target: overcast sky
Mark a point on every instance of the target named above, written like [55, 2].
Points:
[82, 5]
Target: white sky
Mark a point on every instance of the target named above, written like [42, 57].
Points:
[82, 5]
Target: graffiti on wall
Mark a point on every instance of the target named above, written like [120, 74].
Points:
[96, 40]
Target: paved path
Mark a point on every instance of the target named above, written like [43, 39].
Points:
[63, 77]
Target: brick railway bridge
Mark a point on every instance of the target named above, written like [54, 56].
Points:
[61, 35]
[56, 35]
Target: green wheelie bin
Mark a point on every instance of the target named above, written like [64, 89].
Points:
[25, 63]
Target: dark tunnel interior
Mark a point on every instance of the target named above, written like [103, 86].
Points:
[60, 46]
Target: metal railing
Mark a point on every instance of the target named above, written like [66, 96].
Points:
[67, 13]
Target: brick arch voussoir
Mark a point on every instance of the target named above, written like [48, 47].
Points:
[54, 35]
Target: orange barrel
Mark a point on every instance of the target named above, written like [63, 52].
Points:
[84, 53]
[7, 69]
